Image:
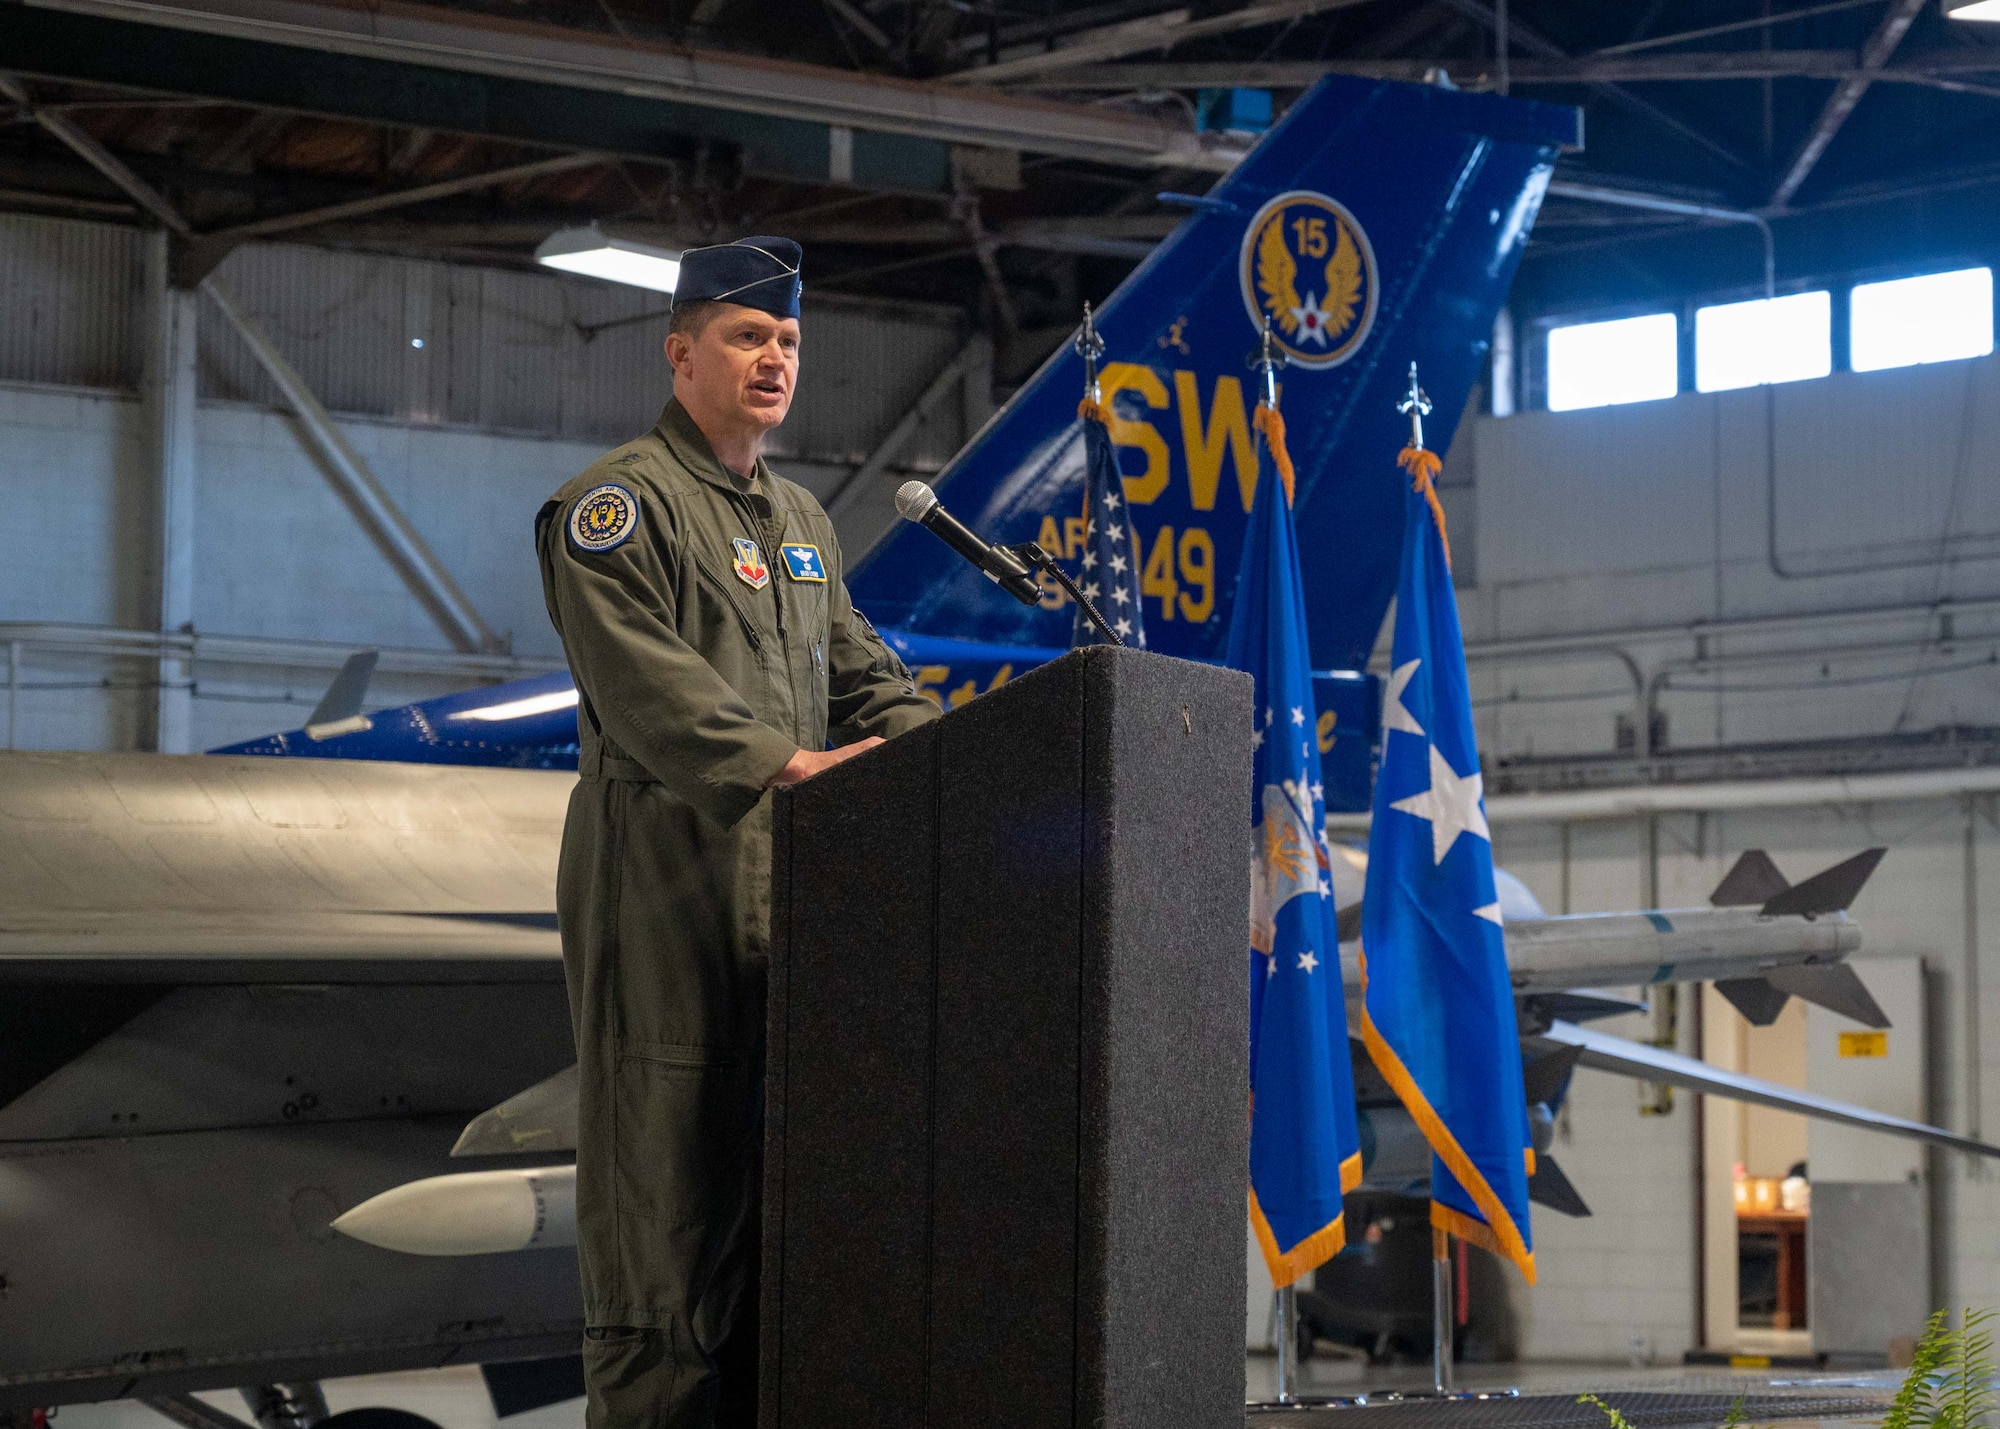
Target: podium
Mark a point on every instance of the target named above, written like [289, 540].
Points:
[1007, 1131]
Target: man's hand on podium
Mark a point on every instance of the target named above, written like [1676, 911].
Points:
[803, 765]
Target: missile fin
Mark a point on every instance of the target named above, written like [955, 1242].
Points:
[1546, 1078]
[1827, 892]
[1834, 986]
[1753, 878]
[542, 1118]
[1755, 997]
[1552, 1188]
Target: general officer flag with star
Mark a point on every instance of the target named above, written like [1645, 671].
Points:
[1109, 577]
[1304, 1151]
[1439, 1011]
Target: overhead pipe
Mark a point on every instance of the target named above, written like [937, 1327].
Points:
[113, 642]
[1685, 208]
[1647, 799]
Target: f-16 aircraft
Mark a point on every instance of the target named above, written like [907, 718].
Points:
[248, 995]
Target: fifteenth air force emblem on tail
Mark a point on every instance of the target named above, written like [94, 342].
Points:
[1308, 267]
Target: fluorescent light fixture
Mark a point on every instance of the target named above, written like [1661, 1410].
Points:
[1605, 364]
[618, 260]
[521, 709]
[1972, 9]
[1938, 317]
[1766, 340]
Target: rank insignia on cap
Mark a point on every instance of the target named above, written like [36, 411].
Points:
[603, 517]
[803, 563]
[750, 567]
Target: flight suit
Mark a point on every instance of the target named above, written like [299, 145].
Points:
[696, 687]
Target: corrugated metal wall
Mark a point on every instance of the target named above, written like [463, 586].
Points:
[68, 296]
[443, 343]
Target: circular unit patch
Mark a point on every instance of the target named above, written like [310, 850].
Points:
[603, 517]
[1309, 268]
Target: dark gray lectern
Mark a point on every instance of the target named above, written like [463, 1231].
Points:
[1008, 1089]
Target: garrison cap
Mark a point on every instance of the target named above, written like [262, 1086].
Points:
[760, 272]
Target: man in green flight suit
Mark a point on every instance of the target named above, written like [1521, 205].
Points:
[701, 603]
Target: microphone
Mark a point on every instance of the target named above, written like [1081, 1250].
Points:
[915, 501]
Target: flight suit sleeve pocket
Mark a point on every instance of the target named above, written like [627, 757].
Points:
[685, 1119]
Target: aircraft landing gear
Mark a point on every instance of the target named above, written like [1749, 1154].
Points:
[298, 1404]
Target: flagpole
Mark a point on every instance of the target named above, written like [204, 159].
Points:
[1288, 1343]
[1440, 1310]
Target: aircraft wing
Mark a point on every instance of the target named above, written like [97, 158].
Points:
[163, 869]
[180, 946]
[1656, 1064]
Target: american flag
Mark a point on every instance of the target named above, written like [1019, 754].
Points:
[1109, 567]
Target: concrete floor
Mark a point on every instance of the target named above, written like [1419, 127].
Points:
[456, 1398]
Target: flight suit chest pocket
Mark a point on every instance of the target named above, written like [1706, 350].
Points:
[686, 1118]
[723, 615]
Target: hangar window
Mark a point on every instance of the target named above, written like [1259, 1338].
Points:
[1765, 340]
[1603, 364]
[1933, 318]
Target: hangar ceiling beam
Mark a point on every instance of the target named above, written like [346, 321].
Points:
[1535, 43]
[428, 64]
[1150, 32]
[400, 198]
[1874, 56]
[1476, 72]
[398, 541]
[86, 147]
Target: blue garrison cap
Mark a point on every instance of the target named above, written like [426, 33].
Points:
[760, 272]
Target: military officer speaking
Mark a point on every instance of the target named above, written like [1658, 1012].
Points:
[700, 601]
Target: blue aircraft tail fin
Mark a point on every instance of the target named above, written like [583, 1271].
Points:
[1377, 224]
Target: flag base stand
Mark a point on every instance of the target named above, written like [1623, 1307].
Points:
[1376, 1397]
[1440, 1312]
[1289, 1399]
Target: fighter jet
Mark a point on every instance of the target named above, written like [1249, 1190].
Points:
[248, 995]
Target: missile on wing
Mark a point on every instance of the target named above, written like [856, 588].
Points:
[472, 1213]
[1761, 940]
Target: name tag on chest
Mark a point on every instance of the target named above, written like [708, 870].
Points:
[804, 563]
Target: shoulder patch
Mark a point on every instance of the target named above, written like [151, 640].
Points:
[603, 517]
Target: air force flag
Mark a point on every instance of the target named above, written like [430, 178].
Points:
[1439, 1012]
[1304, 1152]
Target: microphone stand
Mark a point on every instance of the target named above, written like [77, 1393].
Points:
[1038, 559]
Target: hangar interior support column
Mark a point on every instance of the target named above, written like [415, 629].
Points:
[168, 391]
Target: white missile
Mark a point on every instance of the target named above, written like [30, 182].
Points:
[472, 1213]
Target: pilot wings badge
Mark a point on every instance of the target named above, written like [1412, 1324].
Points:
[1309, 268]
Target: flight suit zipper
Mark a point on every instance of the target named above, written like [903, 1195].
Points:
[750, 631]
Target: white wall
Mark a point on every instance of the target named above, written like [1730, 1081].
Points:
[1887, 487]
[1654, 518]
